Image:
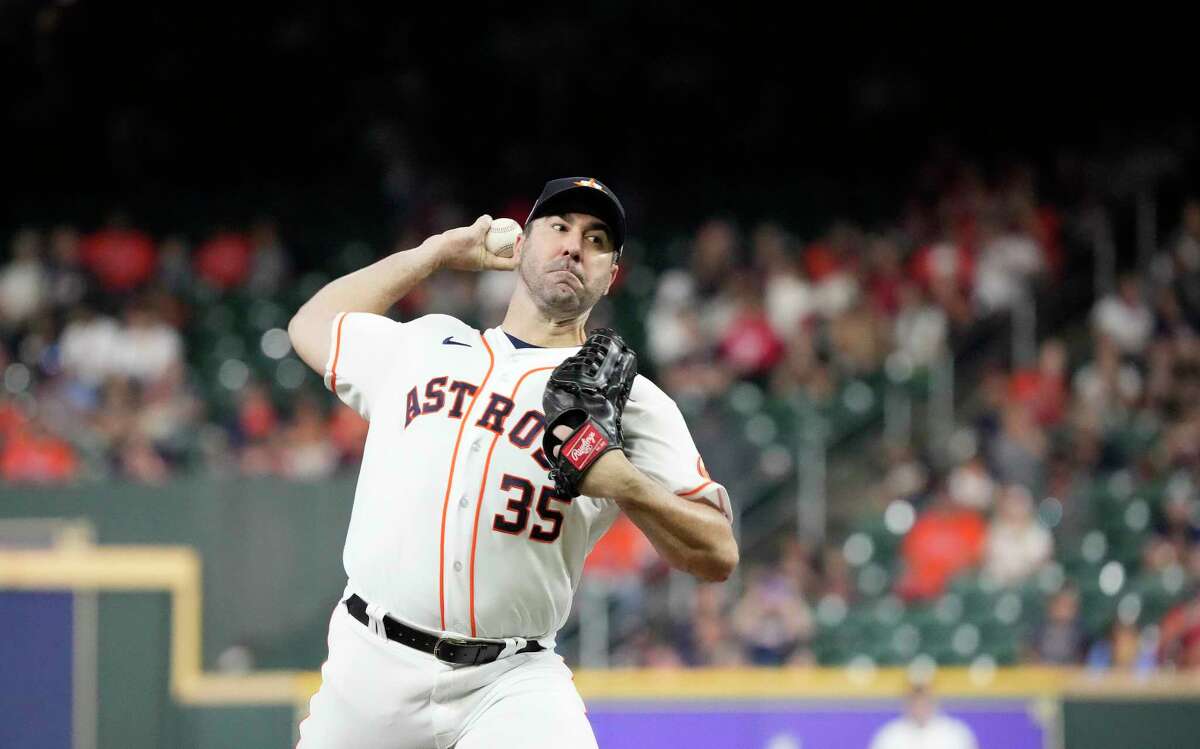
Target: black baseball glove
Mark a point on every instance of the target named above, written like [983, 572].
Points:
[587, 392]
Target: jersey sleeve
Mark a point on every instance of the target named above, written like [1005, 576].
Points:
[659, 444]
[362, 349]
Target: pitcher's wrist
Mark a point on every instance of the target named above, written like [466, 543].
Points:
[429, 253]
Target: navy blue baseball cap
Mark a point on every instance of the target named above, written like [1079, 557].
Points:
[582, 195]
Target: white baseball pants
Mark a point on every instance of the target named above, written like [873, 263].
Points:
[379, 694]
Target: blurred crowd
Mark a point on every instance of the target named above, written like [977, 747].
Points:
[774, 308]
[1069, 502]
[111, 371]
[102, 334]
[98, 347]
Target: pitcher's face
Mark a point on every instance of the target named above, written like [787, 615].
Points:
[567, 262]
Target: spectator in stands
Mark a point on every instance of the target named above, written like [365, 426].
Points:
[1179, 641]
[1185, 266]
[168, 415]
[12, 417]
[1105, 386]
[992, 392]
[904, 476]
[120, 257]
[348, 431]
[921, 327]
[1017, 544]
[833, 255]
[711, 644]
[33, 455]
[647, 649]
[1125, 649]
[672, 327]
[1060, 638]
[1124, 317]
[1041, 222]
[175, 266]
[37, 346]
[945, 272]
[790, 298]
[945, 540]
[796, 566]
[66, 277]
[971, 485]
[660, 654]
[225, 260]
[271, 263]
[140, 462]
[885, 276]
[1069, 482]
[23, 282]
[678, 343]
[1159, 556]
[837, 578]
[771, 619]
[1044, 389]
[145, 348]
[260, 458]
[1180, 522]
[715, 250]
[306, 452]
[86, 346]
[1009, 261]
[113, 421]
[922, 726]
[257, 417]
[1181, 443]
[749, 346]
[1191, 564]
[706, 637]
[1171, 357]
[1172, 328]
[1017, 454]
[832, 266]
[859, 339]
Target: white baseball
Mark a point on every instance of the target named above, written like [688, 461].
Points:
[502, 237]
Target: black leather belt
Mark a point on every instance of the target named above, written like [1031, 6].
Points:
[447, 649]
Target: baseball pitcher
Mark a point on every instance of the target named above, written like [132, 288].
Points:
[494, 462]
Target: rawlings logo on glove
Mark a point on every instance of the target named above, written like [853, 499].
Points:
[587, 393]
[580, 447]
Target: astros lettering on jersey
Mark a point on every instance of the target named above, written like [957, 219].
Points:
[456, 527]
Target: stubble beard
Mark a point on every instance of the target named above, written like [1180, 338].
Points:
[553, 297]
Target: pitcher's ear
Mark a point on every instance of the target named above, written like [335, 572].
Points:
[611, 279]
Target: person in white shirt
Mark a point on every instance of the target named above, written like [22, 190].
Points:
[922, 726]
[1008, 262]
[1125, 317]
[145, 348]
[24, 283]
[1017, 544]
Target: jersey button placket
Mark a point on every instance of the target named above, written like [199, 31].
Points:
[471, 476]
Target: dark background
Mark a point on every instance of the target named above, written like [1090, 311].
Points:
[361, 117]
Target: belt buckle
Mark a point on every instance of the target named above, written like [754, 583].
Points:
[456, 642]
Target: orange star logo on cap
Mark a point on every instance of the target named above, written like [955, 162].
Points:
[590, 182]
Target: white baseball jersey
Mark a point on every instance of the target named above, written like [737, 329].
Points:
[456, 527]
